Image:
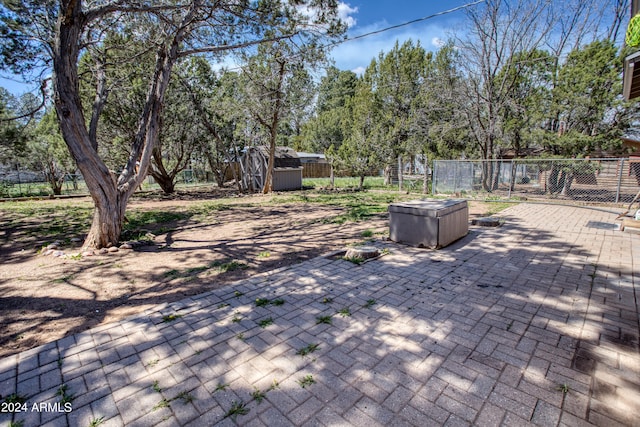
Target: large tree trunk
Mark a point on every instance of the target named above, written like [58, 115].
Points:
[566, 184]
[107, 222]
[268, 181]
[110, 196]
[165, 181]
[496, 175]
[108, 217]
[388, 170]
[53, 178]
[273, 129]
[552, 181]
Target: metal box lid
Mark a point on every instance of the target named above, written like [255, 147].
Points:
[431, 208]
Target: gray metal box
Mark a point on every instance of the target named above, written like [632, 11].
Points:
[428, 223]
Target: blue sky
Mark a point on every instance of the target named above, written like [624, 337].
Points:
[372, 15]
[365, 16]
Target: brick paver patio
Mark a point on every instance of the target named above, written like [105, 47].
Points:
[532, 323]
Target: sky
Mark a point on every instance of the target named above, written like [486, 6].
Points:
[365, 16]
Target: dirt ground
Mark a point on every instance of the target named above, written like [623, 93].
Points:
[44, 298]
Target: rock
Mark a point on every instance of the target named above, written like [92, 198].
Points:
[58, 254]
[75, 240]
[363, 252]
[103, 251]
[126, 246]
[87, 253]
[113, 249]
[53, 246]
[486, 222]
[48, 252]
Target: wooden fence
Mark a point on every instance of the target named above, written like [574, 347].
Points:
[316, 170]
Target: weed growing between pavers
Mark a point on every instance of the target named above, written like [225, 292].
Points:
[96, 422]
[327, 300]
[153, 362]
[323, 319]
[258, 395]
[263, 302]
[306, 381]
[221, 387]
[345, 312]
[170, 317]
[370, 303]
[238, 294]
[15, 398]
[240, 336]
[237, 408]
[164, 403]
[16, 423]
[156, 387]
[564, 388]
[64, 396]
[307, 349]
[185, 396]
[265, 322]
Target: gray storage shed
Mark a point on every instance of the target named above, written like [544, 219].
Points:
[287, 171]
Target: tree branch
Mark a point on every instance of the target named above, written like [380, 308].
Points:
[30, 113]
[216, 49]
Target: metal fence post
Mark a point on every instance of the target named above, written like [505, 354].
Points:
[620, 168]
[434, 175]
[400, 174]
[511, 178]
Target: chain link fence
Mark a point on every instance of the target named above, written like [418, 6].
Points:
[582, 181]
[19, 182]
[16, 181]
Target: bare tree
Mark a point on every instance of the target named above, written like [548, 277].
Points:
[500, 31]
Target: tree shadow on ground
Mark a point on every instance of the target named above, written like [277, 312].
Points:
[190, 259]
[483, 331]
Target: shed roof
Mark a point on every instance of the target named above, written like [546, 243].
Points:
[285, 157]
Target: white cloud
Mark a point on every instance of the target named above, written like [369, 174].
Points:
[344, 13]
[359, 70]
[437, 42]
